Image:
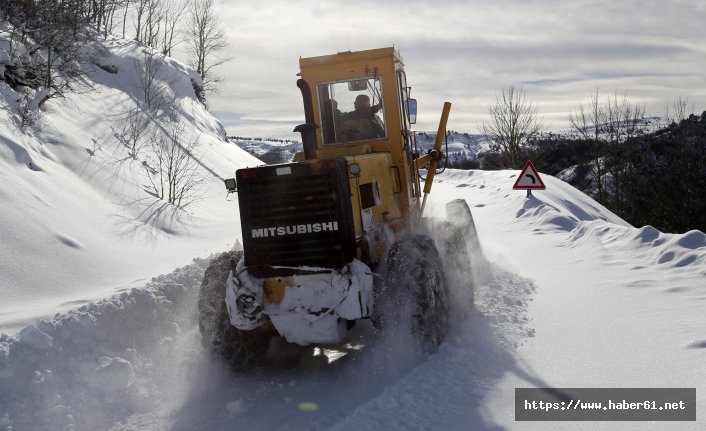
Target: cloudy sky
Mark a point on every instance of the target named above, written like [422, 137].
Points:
[464, 52]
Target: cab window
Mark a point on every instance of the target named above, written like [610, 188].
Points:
[403, 91]
[352, 111]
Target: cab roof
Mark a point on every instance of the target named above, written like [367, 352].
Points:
[351, 56]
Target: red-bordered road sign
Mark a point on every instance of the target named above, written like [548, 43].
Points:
[529, 179]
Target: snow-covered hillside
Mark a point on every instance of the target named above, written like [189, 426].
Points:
[458, 145]
[643, 125]
[570, 296]
[79, 219]
[270, 151]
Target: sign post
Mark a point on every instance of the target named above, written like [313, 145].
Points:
[529, 180]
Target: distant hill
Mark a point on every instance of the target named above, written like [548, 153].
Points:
[461, 147]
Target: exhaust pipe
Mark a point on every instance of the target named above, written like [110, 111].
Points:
[308, 129]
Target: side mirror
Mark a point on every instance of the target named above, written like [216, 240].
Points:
[412, 110]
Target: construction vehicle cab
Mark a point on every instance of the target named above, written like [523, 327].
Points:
[315, 230]
[357, 106]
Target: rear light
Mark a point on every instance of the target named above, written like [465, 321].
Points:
[231, 185]
[249, 173]
[323, 164]
[328, 164]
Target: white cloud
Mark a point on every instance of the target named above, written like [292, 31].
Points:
[465, 51]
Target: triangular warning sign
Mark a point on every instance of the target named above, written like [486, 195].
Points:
[529, 179]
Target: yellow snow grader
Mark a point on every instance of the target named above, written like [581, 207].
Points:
[337, 235]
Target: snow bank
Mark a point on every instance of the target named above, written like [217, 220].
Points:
[683, 251]
[614, 305]
[103, 361]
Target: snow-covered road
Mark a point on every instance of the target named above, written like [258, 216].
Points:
[134, 361]
[570, 297]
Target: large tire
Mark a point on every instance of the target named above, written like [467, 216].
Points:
[459, 214]
[469, 263]
[241, 349]
[459, 268]
[415, 293]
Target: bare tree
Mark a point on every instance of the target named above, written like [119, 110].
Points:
[154, 90]
[141, 8]
[622, 123]
[587, 121]
[173, 170]
[172, 13]
[679, 109]
[101, 13]
[55, 47]
[127, 4]
[153, 22]
[205, 36]
[157, 22]
[135, 133]
[512, 126]
[27, 109]
[610, 127]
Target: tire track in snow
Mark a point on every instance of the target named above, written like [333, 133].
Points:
[445, 390]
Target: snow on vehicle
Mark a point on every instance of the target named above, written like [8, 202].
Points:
[337, 235]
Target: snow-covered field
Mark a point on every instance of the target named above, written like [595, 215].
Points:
[92, 339]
